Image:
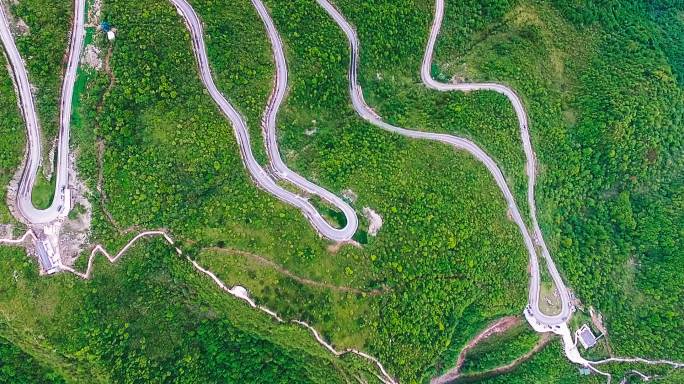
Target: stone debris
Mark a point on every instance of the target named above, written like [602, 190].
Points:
[375, 221]
[76, 229]
[312, 130]
[6, 231]
[91, 57]
[22, 28]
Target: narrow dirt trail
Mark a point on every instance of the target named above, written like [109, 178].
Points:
[498, 326]
[507, 368]
[236, 291]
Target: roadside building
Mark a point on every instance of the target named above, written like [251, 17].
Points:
[108, 30]
[586, 337]
[45, 254]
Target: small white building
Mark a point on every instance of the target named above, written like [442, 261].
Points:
[111, 35]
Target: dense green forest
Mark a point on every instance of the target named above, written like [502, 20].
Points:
[17, 367]
[604, 94]
[548, 366]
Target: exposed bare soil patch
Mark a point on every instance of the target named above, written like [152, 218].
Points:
[374, 221]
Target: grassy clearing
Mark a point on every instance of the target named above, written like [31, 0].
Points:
[76, 211]
[549, 299]
[330, 308]
[83, 75]
[43, 191]
[330, 213]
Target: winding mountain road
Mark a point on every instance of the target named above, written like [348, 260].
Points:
[269, 126]
[260, 176]
[464, 144]
[516, 102]
[61, 203]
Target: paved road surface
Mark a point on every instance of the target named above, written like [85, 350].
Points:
[566, 308]
[269, 125]
[260, 176]
[60, 204]
[464, 144]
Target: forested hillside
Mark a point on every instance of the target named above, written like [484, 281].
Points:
[606, 101]
[12, 143]
[18, 367]
[170, 160]
[603, 87]
[151, 318]
[439, 283]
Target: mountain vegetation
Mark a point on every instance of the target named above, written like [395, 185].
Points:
[603, 85]
[603, 88]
